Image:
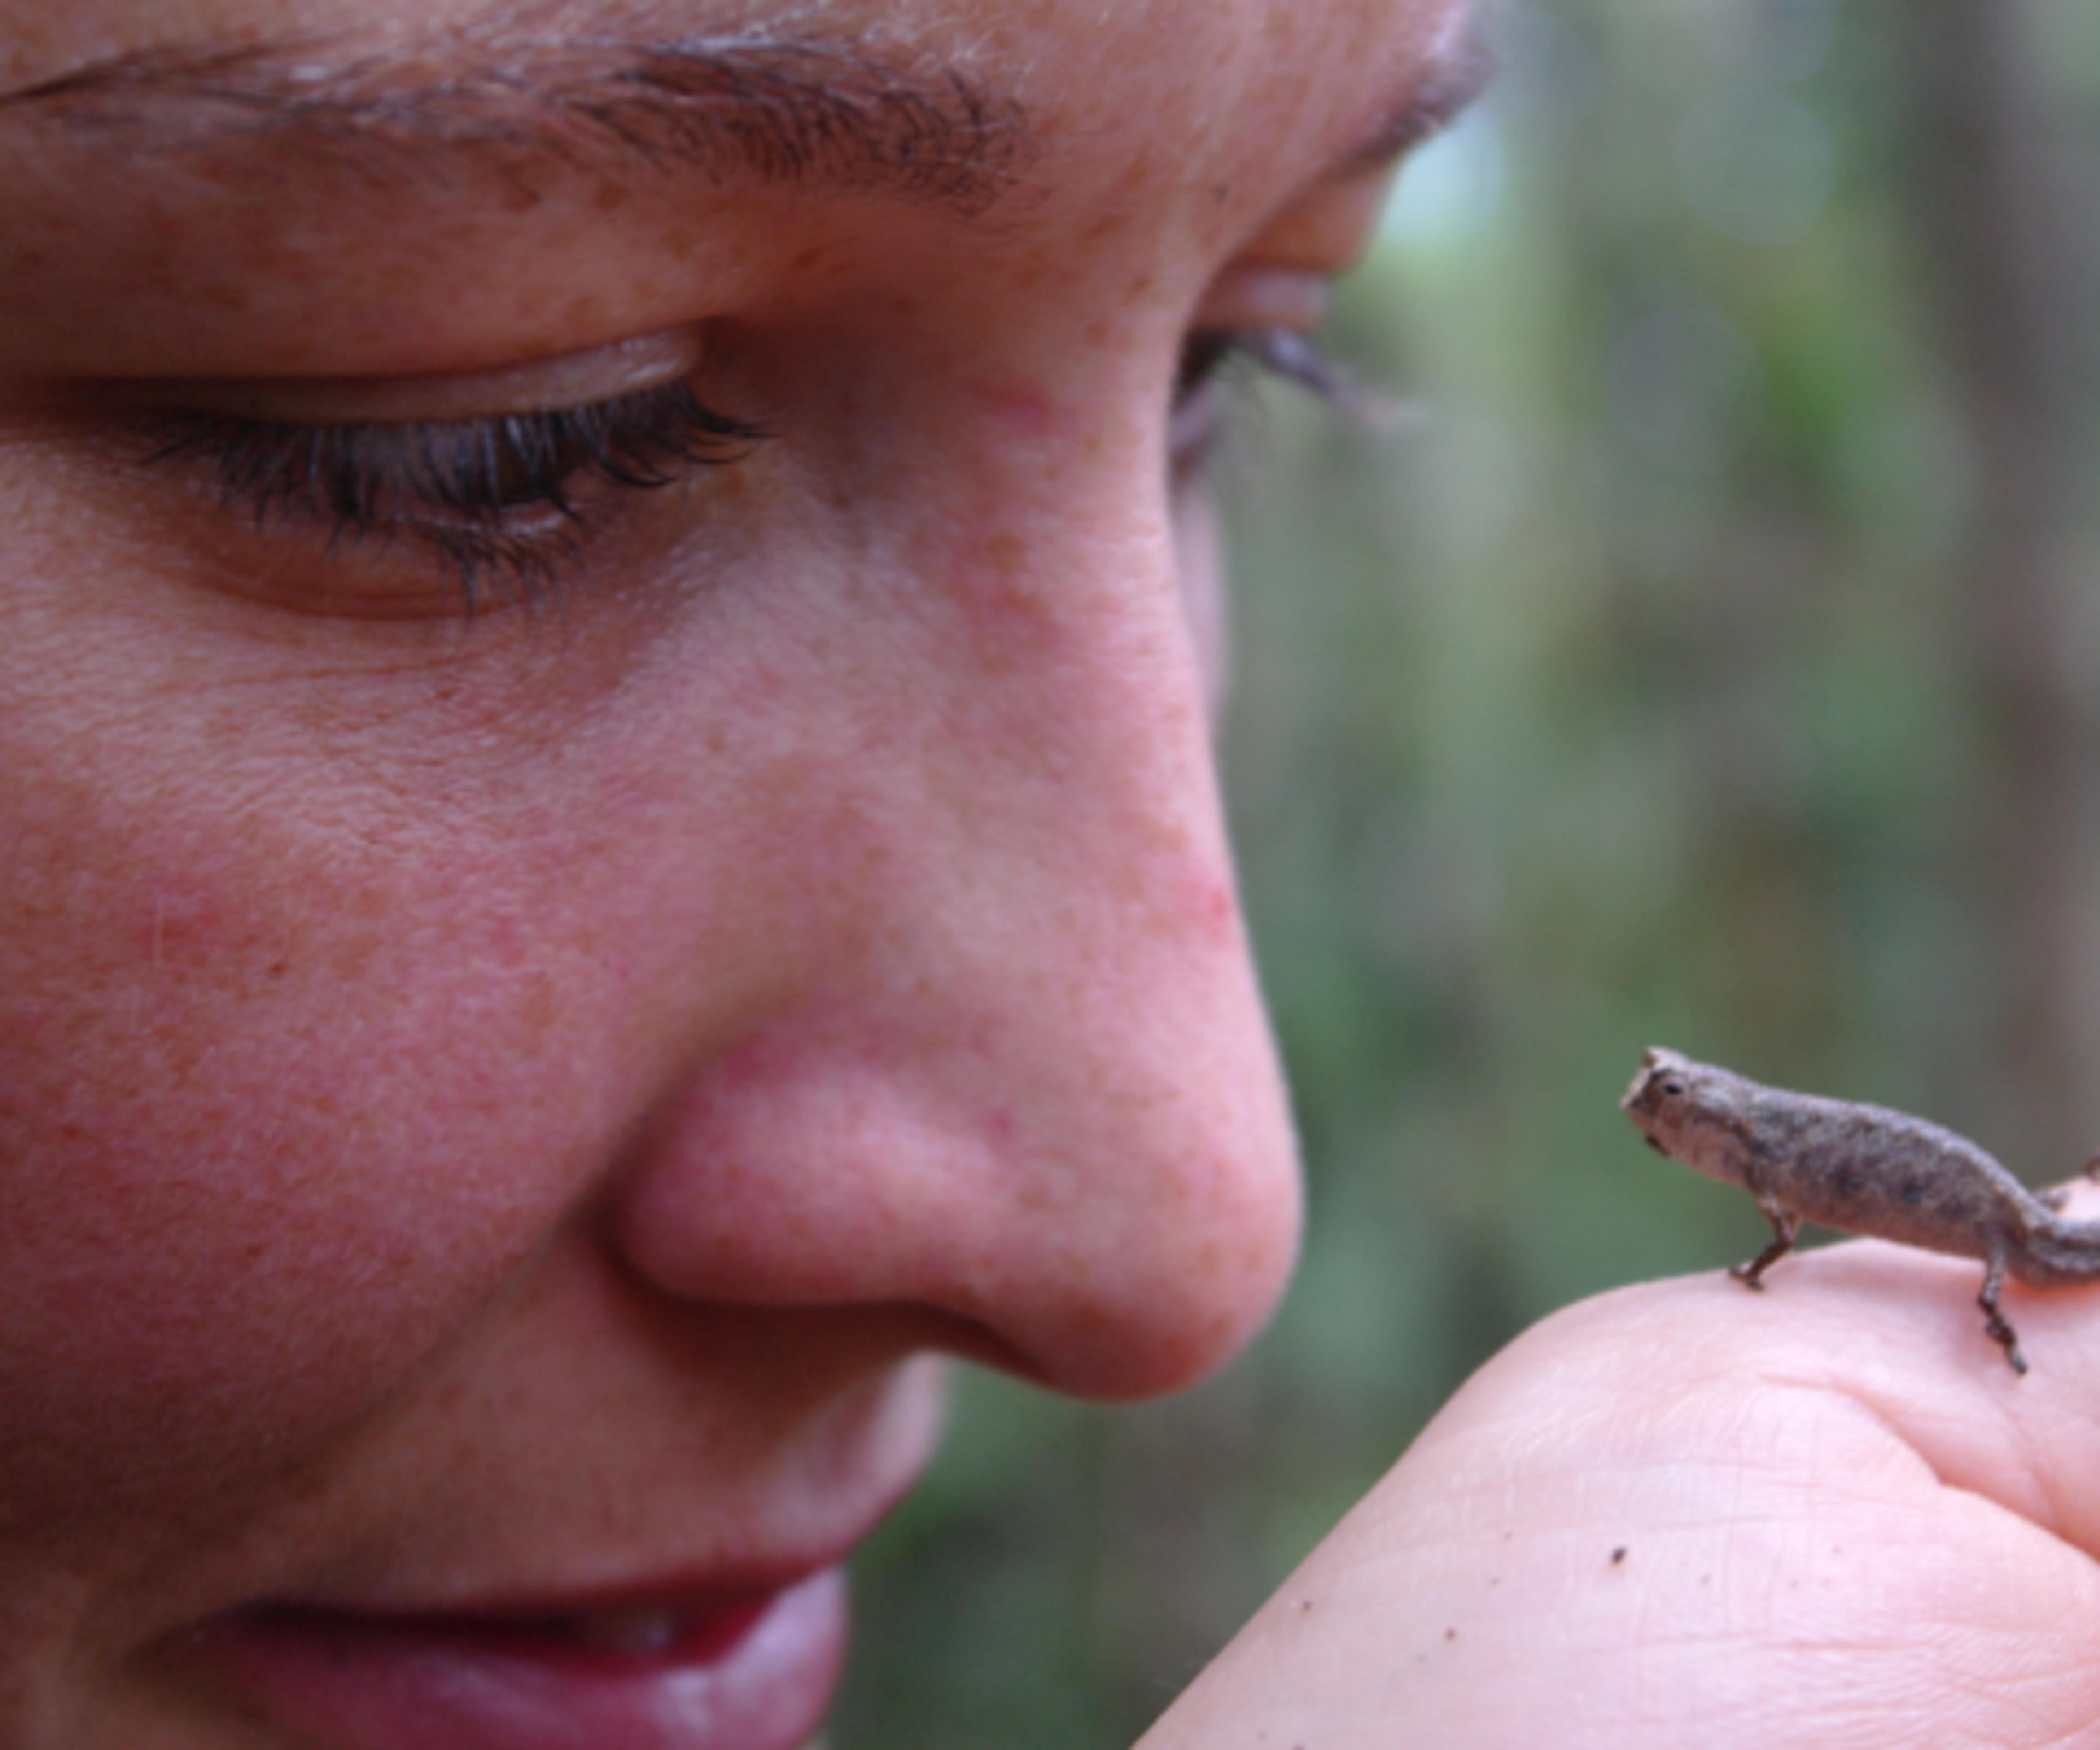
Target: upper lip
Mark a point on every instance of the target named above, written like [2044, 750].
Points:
[423, 1562]
[692, 1589]
[660, 1620]
[702, 1595]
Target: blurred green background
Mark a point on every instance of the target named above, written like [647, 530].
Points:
[1703, 654]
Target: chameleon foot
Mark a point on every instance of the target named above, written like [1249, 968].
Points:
[1996, 1325]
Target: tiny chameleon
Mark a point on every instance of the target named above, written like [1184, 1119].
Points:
[1865, 1170]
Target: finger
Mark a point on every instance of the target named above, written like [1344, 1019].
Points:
[1677, 1515]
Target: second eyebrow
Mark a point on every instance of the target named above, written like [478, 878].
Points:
[1440, 92]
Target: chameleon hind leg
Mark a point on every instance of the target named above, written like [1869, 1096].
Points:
[1786, 1227]
[1995, 1323]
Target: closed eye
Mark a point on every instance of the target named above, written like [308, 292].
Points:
[500, 500]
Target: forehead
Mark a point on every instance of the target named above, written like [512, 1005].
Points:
[227, 186]
[1204, 83]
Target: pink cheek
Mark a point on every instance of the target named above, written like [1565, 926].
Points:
[260, 1160]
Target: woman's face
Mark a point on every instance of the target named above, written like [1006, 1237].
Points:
[608, 827]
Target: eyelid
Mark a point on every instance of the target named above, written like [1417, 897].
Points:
[594, 375]
[1328, 228]
[1283, 277]
[1247, 297]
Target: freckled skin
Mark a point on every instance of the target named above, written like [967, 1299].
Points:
[1864, 1169]
[499, 1106]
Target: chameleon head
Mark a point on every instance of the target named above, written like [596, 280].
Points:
[1664, 1075]
[1657, 1092]
[1691, 1111]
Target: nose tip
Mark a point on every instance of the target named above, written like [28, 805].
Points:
[1182, 1310]
[1064, 1213]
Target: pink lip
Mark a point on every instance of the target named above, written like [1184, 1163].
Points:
[753, 1671]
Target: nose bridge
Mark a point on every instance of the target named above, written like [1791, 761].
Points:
[1072, 737]
[1023, 1078]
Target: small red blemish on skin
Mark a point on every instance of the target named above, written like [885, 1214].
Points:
[1214, 908]
[1024, 412]
[1012, 623]
[1003, 1131]
[1010, 615]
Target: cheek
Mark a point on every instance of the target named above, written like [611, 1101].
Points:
[277, 1108]
[318, 1026]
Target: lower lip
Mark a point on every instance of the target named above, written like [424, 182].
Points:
[759, 1677]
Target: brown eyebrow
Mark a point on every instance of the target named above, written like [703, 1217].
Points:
[800, 113]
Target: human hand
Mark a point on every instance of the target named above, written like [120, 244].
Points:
[1679, 1515]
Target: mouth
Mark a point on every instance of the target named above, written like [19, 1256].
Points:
[707, 1669]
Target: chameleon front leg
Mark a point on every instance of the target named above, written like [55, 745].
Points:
[1995, 1323]
[1786, 1225]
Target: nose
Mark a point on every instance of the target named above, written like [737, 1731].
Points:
[1000, 1058]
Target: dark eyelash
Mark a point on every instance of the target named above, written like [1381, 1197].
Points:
[1296, 358]
[456, 486]
[1299, 360]
[1211, 357]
